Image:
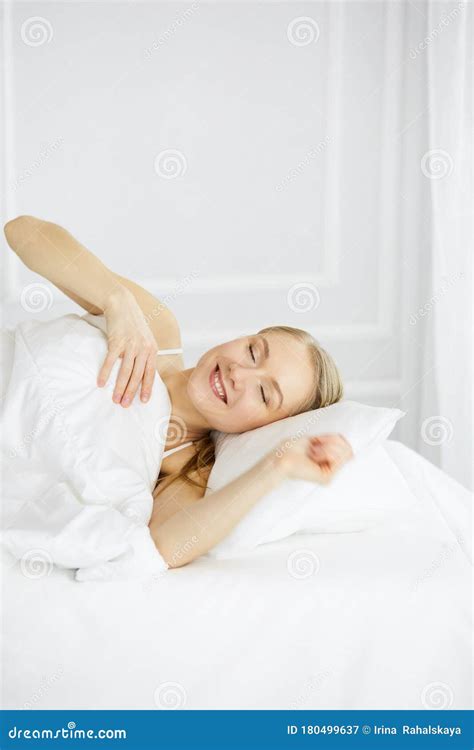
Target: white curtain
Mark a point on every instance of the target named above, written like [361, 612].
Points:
[446, 407]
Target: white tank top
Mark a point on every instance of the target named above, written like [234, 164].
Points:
[99, 322]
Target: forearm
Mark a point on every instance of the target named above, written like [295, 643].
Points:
[51, 251]
[195, 530]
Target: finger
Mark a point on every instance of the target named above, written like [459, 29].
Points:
[332, 458]
[328, 461]
[148, 378]
[329, 439]
[135, 379]
[324, 471]
[124, 376]
[322, 449]
[106, 368]
[332, 446]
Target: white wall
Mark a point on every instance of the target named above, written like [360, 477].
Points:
[302, 166]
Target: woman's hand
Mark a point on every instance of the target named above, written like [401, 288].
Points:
[129, 338]
[314, 459]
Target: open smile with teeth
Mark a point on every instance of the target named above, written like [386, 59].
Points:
[217, 385]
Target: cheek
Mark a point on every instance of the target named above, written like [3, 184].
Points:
[247, 415]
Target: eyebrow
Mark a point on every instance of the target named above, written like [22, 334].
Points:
[266, 354]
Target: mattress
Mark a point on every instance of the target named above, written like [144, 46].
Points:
[378, 619]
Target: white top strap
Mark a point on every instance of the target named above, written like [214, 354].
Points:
[173, 450]
[169, 351]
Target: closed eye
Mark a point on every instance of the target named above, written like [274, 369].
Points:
[261, 388]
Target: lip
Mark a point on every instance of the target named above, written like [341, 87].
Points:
[213, 388]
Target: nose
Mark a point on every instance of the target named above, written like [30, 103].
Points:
[239, 374]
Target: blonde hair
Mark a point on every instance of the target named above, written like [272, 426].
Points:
[327, 389]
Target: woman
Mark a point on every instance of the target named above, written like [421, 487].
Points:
[237, 386]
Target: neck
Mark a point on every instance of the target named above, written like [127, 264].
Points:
[183, 410]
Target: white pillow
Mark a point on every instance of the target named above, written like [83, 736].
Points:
[354, 499]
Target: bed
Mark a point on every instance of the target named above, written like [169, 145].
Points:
[380, 619]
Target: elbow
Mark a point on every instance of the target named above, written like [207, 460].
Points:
[175, 553]
[15, 227]
[19, 233]
[10, 230]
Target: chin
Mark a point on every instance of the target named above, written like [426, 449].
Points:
[228, 429]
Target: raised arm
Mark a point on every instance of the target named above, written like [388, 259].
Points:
[198, 527]
[137, 322]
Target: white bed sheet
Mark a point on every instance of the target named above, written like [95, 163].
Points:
[376, 619]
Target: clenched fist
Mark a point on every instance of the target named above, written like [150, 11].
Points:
[314, 459]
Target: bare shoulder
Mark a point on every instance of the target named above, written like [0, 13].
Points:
[172, 496]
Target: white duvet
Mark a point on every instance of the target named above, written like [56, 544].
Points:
[78, 469]
[376, 619]
[380, 618]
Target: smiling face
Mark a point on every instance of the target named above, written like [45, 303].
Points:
[251, 381]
